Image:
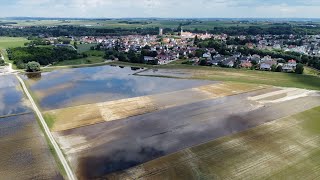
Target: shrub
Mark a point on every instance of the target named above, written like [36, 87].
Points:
[33, 66]
[299, 69]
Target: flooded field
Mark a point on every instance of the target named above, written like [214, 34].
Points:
[12, 100]
[107, 120]
[107, 147]
[288, 148]
[24, 152]
[73, 87]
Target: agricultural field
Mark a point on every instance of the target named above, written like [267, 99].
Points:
[237, 75]
[287, 148]
[11, 42]
[87, 60]
[109, 122]
[24, 152]
[84, 47]
[200, 24]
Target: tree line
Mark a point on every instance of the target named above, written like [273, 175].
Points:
[69, 30]
[43, 55]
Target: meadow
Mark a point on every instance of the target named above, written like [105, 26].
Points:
[11, 42]
[237, 75]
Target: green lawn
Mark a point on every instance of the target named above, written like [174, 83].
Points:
[309, 71]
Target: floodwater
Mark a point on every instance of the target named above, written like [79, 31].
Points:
[72, 87]
[108, 147]
[12, 100]
[24, 152]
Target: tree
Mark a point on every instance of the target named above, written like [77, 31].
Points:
[75, 45]
[273, 67]
[33, 66]
[1, 62]
[299, 68]
[279, 68]
[196, 40]
[203, 62]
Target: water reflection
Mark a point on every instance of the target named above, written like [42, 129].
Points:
[70, 87]
[35, 76]
[12, 100]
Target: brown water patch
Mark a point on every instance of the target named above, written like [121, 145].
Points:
[24, 153]
[47, 92]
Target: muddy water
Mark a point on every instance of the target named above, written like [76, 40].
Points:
[24, 153]
[71, 87]
[12, 100]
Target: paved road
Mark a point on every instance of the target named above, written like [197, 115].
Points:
[48, 133]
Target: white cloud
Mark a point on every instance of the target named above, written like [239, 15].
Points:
[161, 8]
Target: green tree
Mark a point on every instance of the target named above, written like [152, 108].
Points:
[299, 68]
[33, 66]
[279, 68]
[273, 67]
[203, 62]
[1, 62]
[75, 44]
[196, 40]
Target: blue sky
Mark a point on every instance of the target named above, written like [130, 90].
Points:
[162, 8]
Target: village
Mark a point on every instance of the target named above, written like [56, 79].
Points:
[164, 49]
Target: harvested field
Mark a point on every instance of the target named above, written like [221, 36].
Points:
[24, 153]
[288, 148]
[114, 110]
[107, 147]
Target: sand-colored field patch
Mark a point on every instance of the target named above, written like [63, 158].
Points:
[78, 116]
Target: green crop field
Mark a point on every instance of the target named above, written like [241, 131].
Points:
[288, 148]
[200, 24]
[84, 47]
[88, 60]
[11, 42]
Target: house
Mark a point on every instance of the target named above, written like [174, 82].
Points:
[229, 62]
[163, 57]
[266, 65]
[266, 58]
[290, 66]
[246, 64]
[217, 59]
[148, 58]
[207, 55]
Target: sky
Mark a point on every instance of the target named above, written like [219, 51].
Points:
[162, 8]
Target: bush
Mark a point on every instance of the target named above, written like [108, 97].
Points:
[203, 62]
[1, 62]
[33, 66]
[299, 69]
[279, 69]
